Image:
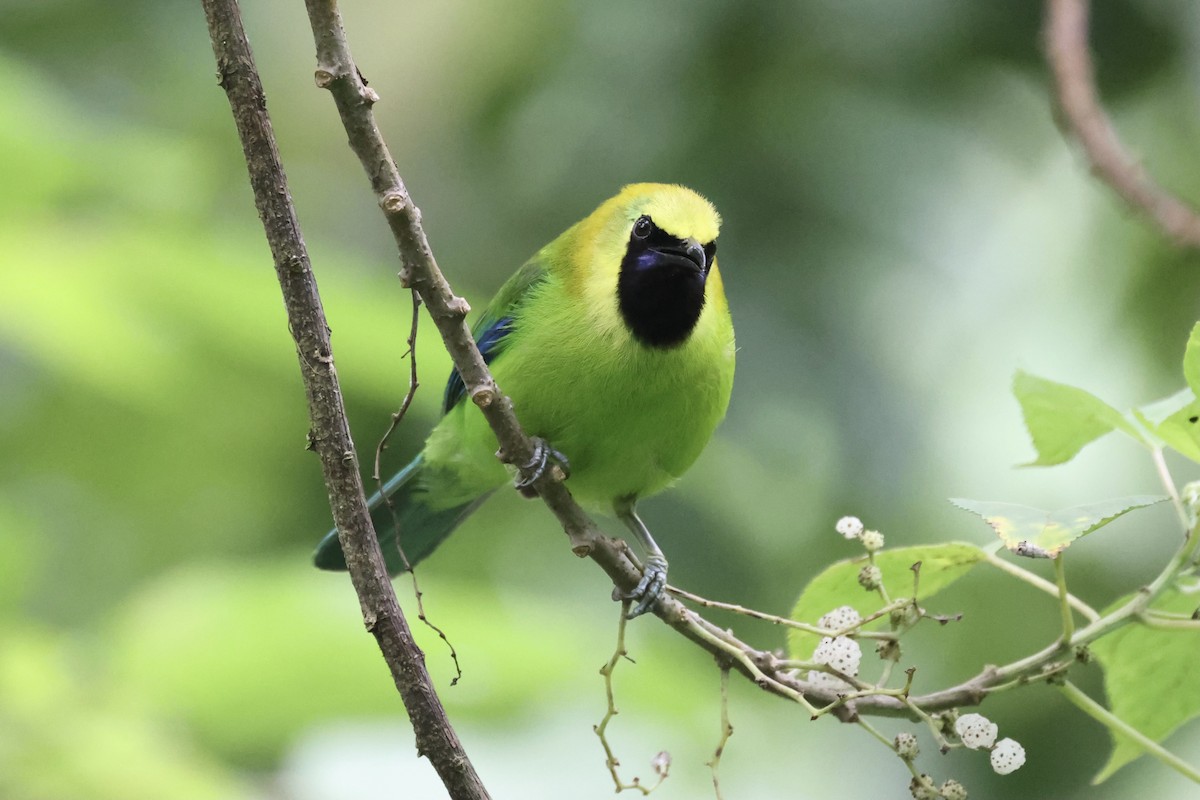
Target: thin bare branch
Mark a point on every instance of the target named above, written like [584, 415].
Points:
[330, 433]
[1066, 34]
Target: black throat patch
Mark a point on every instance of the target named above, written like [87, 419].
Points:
[660, 290]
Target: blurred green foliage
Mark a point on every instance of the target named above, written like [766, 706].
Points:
[904, 227]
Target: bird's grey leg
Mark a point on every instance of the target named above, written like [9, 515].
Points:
[654, 571]
[543, 456]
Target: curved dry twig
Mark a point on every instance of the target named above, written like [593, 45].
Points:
[1066, 33]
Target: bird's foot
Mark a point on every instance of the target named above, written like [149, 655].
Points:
[544, 457]
[650, 587]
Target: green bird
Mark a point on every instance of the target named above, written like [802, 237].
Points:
[615, 344]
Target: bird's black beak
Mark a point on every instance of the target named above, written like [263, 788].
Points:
[687, 254]
[695, 253]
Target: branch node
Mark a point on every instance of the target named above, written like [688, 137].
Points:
[394, 202]
[483, 397]
[458, 306]
[323, 78]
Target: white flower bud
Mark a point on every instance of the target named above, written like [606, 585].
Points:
[849, 527]
[922, 788]
[888, 649]
[906, 616]
[869, 577]
[906, 746]
[1007, 756]
[953, 790]
[871, 541]
[975, 730]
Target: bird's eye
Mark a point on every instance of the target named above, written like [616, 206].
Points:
[643, 227]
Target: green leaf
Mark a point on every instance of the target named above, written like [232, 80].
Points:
[941, 565]
[1150, 677]
[1175, 420]
[1063, 419]
[1191, 360]
[1037, 533]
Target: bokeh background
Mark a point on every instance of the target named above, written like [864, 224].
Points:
[904, 228]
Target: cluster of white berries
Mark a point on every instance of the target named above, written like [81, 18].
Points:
[1007, 756]
[840, 618]
[853, 528]
[977, 731]
[840, 652]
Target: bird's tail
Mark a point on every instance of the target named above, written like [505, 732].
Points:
[406, 511]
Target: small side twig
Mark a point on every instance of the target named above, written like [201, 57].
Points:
[888, 743]
[413, 383]
[726, 731]
[774, 619]
[376, 475]
[662, 761]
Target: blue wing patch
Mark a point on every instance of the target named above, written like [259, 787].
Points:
[490, 341]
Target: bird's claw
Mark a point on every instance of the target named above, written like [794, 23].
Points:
[543, 456]
[650, 587]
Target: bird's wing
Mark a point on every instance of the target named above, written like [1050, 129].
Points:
[492, 329]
